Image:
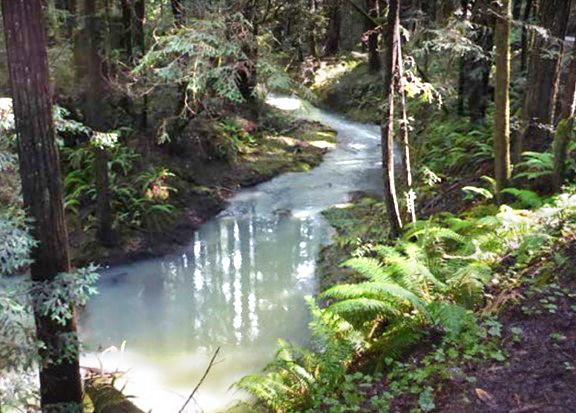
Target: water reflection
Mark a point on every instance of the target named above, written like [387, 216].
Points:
[219, 291]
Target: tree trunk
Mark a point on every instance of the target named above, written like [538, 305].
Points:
[543, 75]
[525, 18]
[178, 12]
[95, 96]
[247, 76]
[565, 127]
[410, 214]
[387, 127]
[312, 30]
[502, 166]
[41, 189]
[126, 6]
[517, 9]
[332, 45]
[374, 64]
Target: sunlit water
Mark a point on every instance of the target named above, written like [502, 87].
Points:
[239, 285]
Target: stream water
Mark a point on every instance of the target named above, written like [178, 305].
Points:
[239, 285]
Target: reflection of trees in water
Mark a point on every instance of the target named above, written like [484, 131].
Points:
[236, 283]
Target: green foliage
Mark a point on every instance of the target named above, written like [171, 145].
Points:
[300, 379]
[534, 165]
[451, 147]
[140, 200]
[18, 344]
[206, 55]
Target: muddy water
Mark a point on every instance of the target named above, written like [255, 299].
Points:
[239, 285]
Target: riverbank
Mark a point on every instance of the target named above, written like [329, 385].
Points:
[201, 181]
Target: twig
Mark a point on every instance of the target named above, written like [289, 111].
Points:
[201, 380]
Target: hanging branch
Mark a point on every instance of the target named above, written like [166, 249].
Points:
[387, 128]
[201, 380]
[407, 168]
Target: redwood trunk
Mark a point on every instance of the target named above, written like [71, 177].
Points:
[334, 25]
[543, 75]
[502, 166]
[41, 187]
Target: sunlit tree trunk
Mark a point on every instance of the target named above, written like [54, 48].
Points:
[410, 214]
[565, 128]
[502, 165]
[387, 127]
[41, 189]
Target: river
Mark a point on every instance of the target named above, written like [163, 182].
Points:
[239, 285]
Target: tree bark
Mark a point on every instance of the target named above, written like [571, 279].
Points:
[387, 127]
[564, 130]
[374, 63]
[41, 188]
[95, 96]
[502, 165]
[524, 41]
[543, 75]
[410, 214]
[332, 45]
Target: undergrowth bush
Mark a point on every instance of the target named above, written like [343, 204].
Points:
[434, 285]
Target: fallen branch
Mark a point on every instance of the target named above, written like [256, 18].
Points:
[201, 380]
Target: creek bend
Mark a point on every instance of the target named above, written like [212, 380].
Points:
[239, 284]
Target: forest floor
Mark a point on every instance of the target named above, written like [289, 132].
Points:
[532, 324]
[205, 177]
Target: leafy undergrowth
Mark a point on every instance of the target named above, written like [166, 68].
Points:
[469, 313]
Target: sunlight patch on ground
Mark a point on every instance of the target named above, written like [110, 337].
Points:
[284, 103]
[322, 144]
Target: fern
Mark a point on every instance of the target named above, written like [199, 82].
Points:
[526, 198]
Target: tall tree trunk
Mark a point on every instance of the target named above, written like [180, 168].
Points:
[312, 30]
[406, 165]
[247, 76]
[387, 127]
[565, 127]
[332, 45]
[42, 191]
[95, 96]
[543, 75]
[524, 41]
[126, 6]
[502, 166]
[517, 9]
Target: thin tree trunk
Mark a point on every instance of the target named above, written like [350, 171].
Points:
[565, 127]
[525, 18]
[502, 165]
[42, 192]
[387, 126]
[374, 64]
[126, 6]
[406, 165]
[332, 45]
[94, 99]
[312, 30]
